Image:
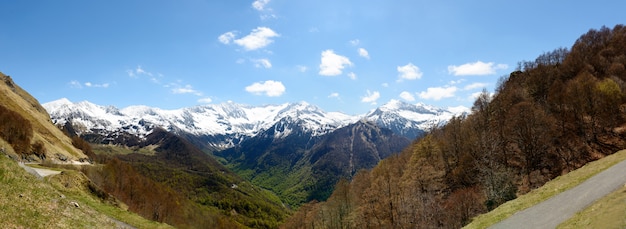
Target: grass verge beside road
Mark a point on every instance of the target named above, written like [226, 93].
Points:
[608, 212]
[550, 189]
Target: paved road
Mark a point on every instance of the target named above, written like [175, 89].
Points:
[552, 212]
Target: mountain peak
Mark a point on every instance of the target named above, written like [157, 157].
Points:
[56, 104]
[394, 105]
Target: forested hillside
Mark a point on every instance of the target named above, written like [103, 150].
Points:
[549, 117]
[166, 179]
[301, 167]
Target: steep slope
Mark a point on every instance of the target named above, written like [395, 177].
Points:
[205, 193]
[56, 146]
[553, 115]
[301, 167]
[28, 202]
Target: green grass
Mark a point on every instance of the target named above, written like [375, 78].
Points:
[73, 184]
[608, 212]
[123, 150]
[28, 202]
[552, 188]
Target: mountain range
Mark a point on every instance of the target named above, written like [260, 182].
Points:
[227, 124]
[297, 150]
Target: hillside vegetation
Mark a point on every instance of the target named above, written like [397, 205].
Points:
[26, 126]
[27, 202]
[301, 167]
[553, 188]
[551, 116]
[166, 179]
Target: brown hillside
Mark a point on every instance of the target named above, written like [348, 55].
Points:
[55, 145]
[553, 115]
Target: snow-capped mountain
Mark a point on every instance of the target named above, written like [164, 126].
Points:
[410, 120]
[227, 119]
[228, 123]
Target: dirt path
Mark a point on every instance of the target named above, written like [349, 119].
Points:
[552, 212]
[38, 172]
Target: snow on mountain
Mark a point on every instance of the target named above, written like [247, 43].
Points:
[411, 120]
[234, 120]
[218, 119]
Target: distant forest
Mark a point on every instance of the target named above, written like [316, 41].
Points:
[550, 116]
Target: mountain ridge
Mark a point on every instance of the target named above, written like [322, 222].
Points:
[229, 123]
[53, 144]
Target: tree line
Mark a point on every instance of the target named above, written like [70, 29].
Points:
[550, 116]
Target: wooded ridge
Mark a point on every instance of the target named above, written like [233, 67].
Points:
[552, 115]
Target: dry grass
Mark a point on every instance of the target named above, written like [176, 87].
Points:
[552, 188]
[18, 100]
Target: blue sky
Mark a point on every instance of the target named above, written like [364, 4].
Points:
[348, 56]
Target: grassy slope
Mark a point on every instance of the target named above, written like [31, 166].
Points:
[554, 187]
[261, 204]
[608, 212]
[40, 205]
[73, 184]
[18, 100]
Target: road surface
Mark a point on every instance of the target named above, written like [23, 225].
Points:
[552, 212]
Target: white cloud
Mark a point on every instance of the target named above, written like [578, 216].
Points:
[302, 68]
[409, 72]
[264, 63]
[475, 86]
[363, 53]
[104, 85]
[187, 89]
[332, 64]
[227, 37]
[407, 96]
[474, 96]
[260, 4]
[457, 81]
[269, 88]
[355, 42]
[352, 75]
[385, 84]
[258, 38]
[138, 72]
[75, 84]
[438, 93]
[333, 95]
[476, 69]
[371, 97]
[205, 100]
[78, 84]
